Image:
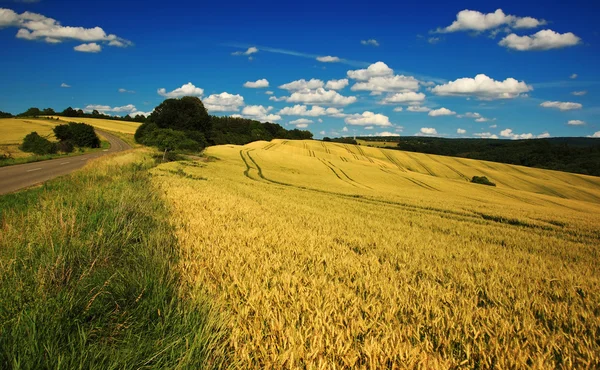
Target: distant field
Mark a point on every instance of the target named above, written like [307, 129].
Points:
[379, 144]
[325, 255]
[13, 130]
[105, 124]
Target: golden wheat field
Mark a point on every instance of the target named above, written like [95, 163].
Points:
[378, 144]
[13, 130]
[330, 256]
[124, 127]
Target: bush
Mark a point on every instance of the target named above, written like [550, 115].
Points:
[80, 134]
[65, 146]
[34, 143]
[482, 180]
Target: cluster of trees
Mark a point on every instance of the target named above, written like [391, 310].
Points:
[74, 113]
[184, 124]
[343, 140]
[69, 135]
[5, 114]
[570, 154]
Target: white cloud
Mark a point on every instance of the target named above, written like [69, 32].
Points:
[544, 135]
[486, 135]
[368, 118]
[345, 129]
[398, 83]
[269, 92]
[493, 126]
[320, 120]
[542, 40]
[369, 127]
[315, 111]
[337, 84]
[34, 26]
[563, 106]
[433, 40]
[301, 123]
[405, 97]
[386, 133]
[579, 93]
[418, 108]
[371, 42]
[483, 87]
[472, 20]
[576, 122]
[398, 109]
[428, 131]
[596, 134]
[469, 115]
[259, 113]
[461, 131]
[274, 98]
[128, 109]
[257, 84]
[322, 132]
[482, 119]
[122, 91]
[302, 84]
[250, 51]
[92, 47]
[98, 107]
[573, 76]
[441, 112]
[320, 96]
[125, 108]
[379, 69]
[186, 90]
[223, 102]
[328, 59]
[65, 85]
[508, 133]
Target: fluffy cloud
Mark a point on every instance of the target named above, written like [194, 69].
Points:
[371, 42]
[328, 59]
[563, 106]
[469, 115]
[486, 135]
[269, 92]
[579, 93]
[441, 112]
[482, 119]
[128, 109]
[186, 90]
[259, 113]
[367, 119]
[224, 102]
[274, 98]
[417, 108]
[34, 26]
[320, 96]
[337, 84]
[573, 76]
[386, 133]
[461, 131]
[301, 123]
[123, 91]
[315, 111]
[576, 122]
[379, 69]
[92, 47]
[302, 85]
[65, 85]
[542, 40]
[345, 129]
[250, 51]
[399, 83]
[322, 132]
[410, 97]
[472, 20]
[257, 84]
[596, 134]
[508, 133]
[483, 87]
[398, 109]
[428, 131]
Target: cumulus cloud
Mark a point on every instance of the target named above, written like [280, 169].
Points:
[483, 87]
[508, 133]
[128, 109]
[320, 96]
[337, 84]
[428, 131]
[379, 69]
[64, 85]
[269, 92]
[258, 84]
[433, 40]
[441, 112]
[92, 47]
[186, 90]
[542, 40]
[398, 83]
[302, 84]
[410, 97]
[472, 20]
[328, 59]
[250, 51]
[576, 122]
[486, 135]
[482, 119]
[274, 98]
[370, 42]
[223, 102]
[301, 123]
[315, 111]
[34, 26]
[345, 129]
[367, 119]
[322, 132]
[573, 76]
[595, 134]
[398, 109]
[469, 115]
[386, 133]
[418, 108]
[259, 113]
[579, 93]
[461, 131]
[124, 91]
[563, 106]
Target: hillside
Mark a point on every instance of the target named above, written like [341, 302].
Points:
[324, 255]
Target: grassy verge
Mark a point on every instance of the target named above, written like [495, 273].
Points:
[89, 277]
[37, 158]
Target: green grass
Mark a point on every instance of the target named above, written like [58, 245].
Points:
[88, 277]
[4, 161]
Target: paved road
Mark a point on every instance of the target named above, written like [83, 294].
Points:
[20, 176]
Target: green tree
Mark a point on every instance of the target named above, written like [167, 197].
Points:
[34, 143]
[31, 112]
[185, 114]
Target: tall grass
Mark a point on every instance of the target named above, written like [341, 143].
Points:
[88, 277]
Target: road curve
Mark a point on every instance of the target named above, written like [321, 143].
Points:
[20, 176]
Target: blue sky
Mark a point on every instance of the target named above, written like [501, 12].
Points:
[469, 69]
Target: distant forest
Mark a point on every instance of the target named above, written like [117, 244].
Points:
[570, 154]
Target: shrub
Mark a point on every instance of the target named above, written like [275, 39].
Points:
[66, 146]
[34, 143]
[80, 134]
[482, 180]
